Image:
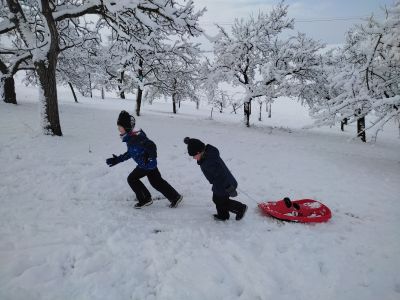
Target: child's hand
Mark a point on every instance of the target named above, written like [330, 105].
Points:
[112, 161]
[231, 190]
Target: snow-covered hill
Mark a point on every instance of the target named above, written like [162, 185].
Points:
[68, 229]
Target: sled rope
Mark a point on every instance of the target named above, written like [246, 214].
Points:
[246, 194]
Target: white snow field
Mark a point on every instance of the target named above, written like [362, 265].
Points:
[68, 229]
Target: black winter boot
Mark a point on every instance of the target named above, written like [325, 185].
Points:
[241, 213]
[218, 218]
[140, 205]
[175, 202]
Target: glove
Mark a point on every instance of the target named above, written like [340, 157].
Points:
[112, 161]
[231, 190]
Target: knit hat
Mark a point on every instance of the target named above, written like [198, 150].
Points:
[126, 121]
[195, 146]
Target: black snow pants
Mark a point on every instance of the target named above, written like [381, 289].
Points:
[225, 205]
[155, 179]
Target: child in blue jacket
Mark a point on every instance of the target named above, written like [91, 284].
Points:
[144, 152]
[218, 174]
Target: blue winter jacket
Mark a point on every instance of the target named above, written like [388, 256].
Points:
[141, 149]
[216, 172]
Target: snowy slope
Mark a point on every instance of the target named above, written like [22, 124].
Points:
[68, 229]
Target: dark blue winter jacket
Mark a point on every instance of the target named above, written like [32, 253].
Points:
[216, 171]
[141, 149]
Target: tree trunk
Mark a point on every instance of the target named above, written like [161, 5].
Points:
[73, 92]
[173, 103]
[399, 128]
[121, 80]
[247, 112]
[342, 123]
[9, 90]
[138, 100]
[174, 96]
[220, 108]
[102, 93]
[270, 110]
[197, 104]
[139, 90]
[361, 129]
[90, 86]
[46, 71]
[7, 85]
[259, 118]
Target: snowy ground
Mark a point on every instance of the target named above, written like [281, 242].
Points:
[68, 229]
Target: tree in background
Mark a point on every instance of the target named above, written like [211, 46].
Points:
[81, 67]
[178, 74]
[169, 65]
[256, 57]
[13, 56]
[365, 81]
[218, 98]
[35, 23]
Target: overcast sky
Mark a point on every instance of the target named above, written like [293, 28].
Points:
[312, 16]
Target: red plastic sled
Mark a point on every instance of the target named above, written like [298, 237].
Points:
[308, 211]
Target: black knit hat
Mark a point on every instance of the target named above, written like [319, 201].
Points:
[195, 146]
[126, 121]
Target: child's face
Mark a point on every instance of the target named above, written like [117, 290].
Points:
[121, 130]
[197, 156]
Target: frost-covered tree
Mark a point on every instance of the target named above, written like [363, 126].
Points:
[342, 83]
[115, 65]
[235, 100]
[81, 67]
[318, 92]
[367, 81]
[35, 22]
[79, 53]
[169, 66]
[218, 98]
[73, 34]
[256, 55]
[10, 63]
[13, 56]
[178, 73]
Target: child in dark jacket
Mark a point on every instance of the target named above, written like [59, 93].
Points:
[222, 180]
[144, 152]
